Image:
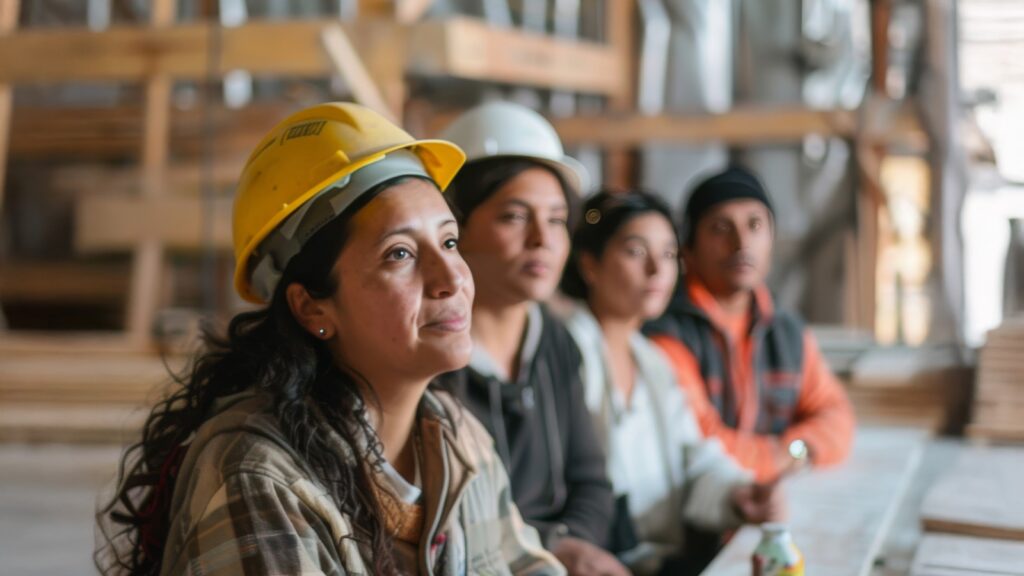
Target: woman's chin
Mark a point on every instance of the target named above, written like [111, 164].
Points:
[453, 356]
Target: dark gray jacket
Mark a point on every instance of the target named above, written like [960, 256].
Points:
[543, 432]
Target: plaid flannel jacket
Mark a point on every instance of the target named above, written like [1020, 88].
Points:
[244, 503]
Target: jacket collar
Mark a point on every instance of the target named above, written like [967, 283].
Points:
[483, 364]
[446, 469]
[693, 297]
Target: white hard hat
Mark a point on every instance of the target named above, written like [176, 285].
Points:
[500, 129]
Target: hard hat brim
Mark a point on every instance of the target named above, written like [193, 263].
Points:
[441, 159]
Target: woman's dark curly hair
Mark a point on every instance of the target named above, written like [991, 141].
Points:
[267, 351]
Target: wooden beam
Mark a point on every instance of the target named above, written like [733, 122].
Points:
[738, 127]
[881, 13]
[148, 257]
[620, 164]
[31, 343]
[465, 48]
[8, 22]
[116, 222]
[349, 66]
[47, 282]
[470, 49]
[409, 11]
[131, 54]
[620, 22]
[184, 179]
[116, 132]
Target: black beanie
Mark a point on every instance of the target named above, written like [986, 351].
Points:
[734, 183]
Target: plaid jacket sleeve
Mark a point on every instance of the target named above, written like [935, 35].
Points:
[255, 524]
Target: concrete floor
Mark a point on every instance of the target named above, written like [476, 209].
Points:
[48, 497]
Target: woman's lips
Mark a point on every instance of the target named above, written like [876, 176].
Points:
[536, 268]
[450, 323]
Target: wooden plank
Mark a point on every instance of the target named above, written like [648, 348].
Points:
[94, 132]
[470, 49]
[979, 496]
[8, 22]
[464, 48]
[131, 54]
[409, 11]
[740, 127]
[115, 223]
[39, 343]
[147, 260]
[1007, 413]
[81, 378]
[945, 555]
[620, 162]
[181, 179]
[34, 424]
[901, 544]
[999, 401]
[620, 24]
[840, 517]
[113, 131]
[46, 282]
[349, 66]
[997, 432]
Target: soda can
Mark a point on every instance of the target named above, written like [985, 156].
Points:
[777, 555]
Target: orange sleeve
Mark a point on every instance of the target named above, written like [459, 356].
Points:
[755, 452]
[824, 416]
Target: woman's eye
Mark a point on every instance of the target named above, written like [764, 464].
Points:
[559, 221]
[451, 243]
[755, 225]
[399, 254]
[636, 252]
[513, 217]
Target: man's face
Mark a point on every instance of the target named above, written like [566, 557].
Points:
[732, 247]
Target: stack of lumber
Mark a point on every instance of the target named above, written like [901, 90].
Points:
[946, 555]
[921, 387]
[999, 402]
[974, 517]
[78, 396]
[980, 496]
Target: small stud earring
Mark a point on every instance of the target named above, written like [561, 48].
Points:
[323, 332]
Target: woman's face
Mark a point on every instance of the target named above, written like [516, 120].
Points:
[517, 241]
[404, 298]
[634, 277]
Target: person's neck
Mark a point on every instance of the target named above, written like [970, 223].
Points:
[394, 420]
[499, 329]
[617, 332]
[735, 303]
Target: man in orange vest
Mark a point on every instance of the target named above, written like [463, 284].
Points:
[754, 374]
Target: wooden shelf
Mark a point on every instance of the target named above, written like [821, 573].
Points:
[458, 47]
[470, 49]
[45, 282]
[119, 222]
[740, 126]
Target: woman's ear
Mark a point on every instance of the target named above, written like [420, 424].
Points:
[588, 268]
[309, 312]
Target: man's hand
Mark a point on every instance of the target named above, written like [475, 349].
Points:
[581, 558]
[757, 503]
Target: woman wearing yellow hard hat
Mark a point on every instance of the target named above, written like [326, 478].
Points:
[310, 439]
[514, 199]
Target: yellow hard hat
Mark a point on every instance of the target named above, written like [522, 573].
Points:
[312, 151]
